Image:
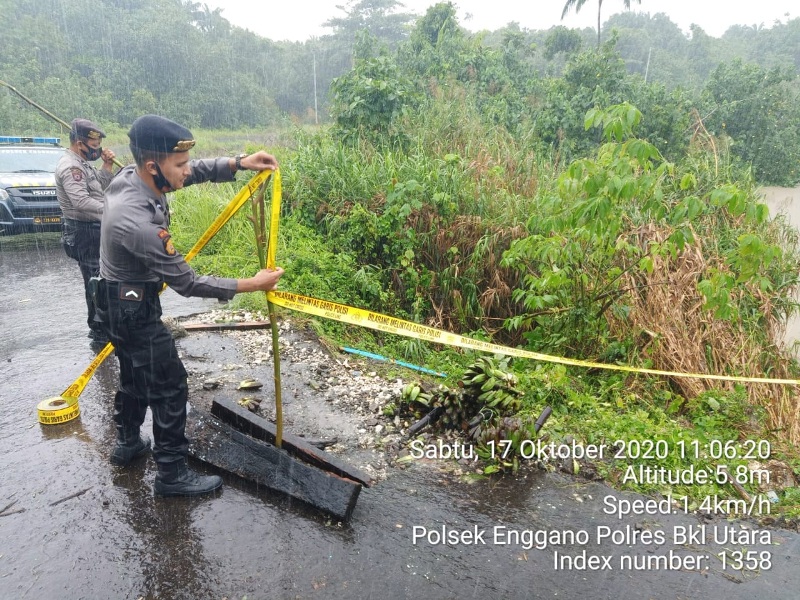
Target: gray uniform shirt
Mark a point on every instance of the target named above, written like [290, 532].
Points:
[79, 188]
[135, 244]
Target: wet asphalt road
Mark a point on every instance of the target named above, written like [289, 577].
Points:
[74, 526]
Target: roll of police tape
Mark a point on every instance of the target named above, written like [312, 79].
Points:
[57, 410]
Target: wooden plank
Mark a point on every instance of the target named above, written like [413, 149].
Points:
[242, 419]
[220, 445]
[230, 325]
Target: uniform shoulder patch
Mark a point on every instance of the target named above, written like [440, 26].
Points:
[166, 239]
[77, 174]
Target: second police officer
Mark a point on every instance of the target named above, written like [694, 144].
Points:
[79, 189]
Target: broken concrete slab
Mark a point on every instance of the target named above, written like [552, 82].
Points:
[259, 428]
[220, 445]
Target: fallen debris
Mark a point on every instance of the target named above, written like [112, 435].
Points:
[70, 497]
[4, 512]
[227, 326]
[239, 417]
[220, 445]
[250, 384]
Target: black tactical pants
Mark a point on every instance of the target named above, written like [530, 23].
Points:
[150, 371]
[81, 241]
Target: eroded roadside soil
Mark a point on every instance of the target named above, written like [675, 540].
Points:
[329, 397]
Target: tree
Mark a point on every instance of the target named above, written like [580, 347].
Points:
[756, 107]
[369, 100]
[378, 17]
[437, 44]
[591, 79]
[578, 4]
[561, 40]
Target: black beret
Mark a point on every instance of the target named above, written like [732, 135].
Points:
[159, 134]
[84, 128]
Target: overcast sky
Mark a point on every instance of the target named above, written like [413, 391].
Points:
[297, 20]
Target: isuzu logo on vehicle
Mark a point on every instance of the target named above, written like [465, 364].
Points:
[43, 192]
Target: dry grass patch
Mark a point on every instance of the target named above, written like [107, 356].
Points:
[469, 287]
[677, 334]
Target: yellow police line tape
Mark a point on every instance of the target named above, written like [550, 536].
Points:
[387, 324]
[63, 408]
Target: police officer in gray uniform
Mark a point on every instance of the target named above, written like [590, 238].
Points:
[79, 189]
[136, 257]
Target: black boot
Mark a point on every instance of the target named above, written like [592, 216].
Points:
[130, 446]
[176, 479]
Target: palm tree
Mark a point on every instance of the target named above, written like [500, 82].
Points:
[578, 4]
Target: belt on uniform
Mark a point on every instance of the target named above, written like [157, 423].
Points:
[82, 224]
[135, 291]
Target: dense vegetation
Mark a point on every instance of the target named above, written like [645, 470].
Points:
[113, 60]
[529, 188]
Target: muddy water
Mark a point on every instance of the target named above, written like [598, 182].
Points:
[74, 526]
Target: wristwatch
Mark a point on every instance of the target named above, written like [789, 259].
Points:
[239, 158]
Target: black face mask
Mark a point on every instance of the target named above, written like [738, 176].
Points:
[91, 153]
[161, 181]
